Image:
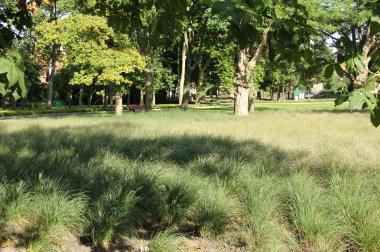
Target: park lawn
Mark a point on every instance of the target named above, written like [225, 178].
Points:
[279, 180]
[221, 105]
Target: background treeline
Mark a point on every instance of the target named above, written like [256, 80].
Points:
[96, 52]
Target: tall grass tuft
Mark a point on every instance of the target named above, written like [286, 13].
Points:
[263, 216]
[164, 241]
[112, 216]
[357, 210]
[214, 210]
[40, 218]
[309, 211]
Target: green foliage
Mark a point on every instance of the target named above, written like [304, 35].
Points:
[92, 49]
[12, 73]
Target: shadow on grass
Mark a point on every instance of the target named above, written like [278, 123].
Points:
[96, 160]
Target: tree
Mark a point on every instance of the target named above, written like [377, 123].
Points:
[93, 50]
[258, 27]
[357, 43]
[149, 23]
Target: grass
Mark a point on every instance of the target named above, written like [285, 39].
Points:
[280, 180]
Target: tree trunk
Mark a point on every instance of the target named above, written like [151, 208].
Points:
[185, 49]
[70, 97]
[118, 103]
[90, 100]
[105, 98]
[242, 76]
[242, 84]
[149, 84]
[141, 97]
[111, 95]
[154, 99]
[81, 97]
[250, 101]
[50, 81]
[242, 101]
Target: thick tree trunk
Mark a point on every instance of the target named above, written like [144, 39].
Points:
[81, 97]
[242, 101]
[242, 84]
[242, 76]
[149, 84]
[251, 101]
[50, 81]
[185, 48]
[118, 103]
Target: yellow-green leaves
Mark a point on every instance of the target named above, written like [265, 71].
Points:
[88, 44]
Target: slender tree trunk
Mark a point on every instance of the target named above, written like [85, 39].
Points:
[111, 95]
[149, 84]
[118, 102]
[81, 97]
[154, 99]
[50, 81]
[185, 48]
[70, 97]
[141, 97]
[90, 99]
[105, 98]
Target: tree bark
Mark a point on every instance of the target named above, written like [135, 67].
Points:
[70, 97]
[149, 84]
[90, 100]
[154, 99]
[118, 102]
[141, 97]
[242, 76]
[111, 95]
[242, 101]
[81, 97]
[185, 48]
[241, 82]
[50, 81]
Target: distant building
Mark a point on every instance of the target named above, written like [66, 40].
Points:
[298, 94]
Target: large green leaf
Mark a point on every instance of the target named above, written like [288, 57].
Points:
[5, 65]
[375, 117]
[341, 99]
[13, 75]
[375, 25]
[3, 90]
[21, 83]
[356, 99]
[329, 71]
[15, 95]
[369, 99]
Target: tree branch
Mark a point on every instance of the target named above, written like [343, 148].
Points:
[260, 49]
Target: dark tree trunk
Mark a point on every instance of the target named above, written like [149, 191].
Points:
[81, 97]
